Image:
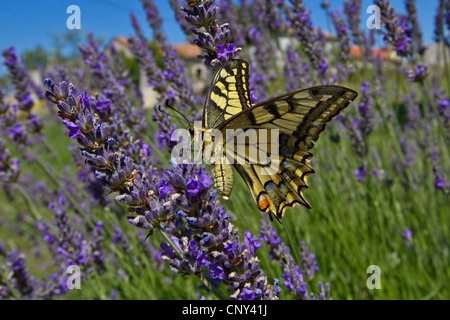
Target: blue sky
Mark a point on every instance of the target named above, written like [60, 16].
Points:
[25, 24]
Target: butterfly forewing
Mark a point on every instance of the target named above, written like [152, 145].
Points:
[229, 94]
[297, 117]
[296, 112]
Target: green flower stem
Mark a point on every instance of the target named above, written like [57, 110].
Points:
[47, 148]
[34, 211]
[293, 248]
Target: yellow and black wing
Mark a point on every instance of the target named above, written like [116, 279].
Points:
[300, 117]
[228, 95]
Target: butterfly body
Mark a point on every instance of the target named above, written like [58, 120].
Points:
[288, 125]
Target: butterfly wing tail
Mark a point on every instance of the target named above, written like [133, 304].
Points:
[276, 188]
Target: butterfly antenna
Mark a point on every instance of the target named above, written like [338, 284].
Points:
[170, 107]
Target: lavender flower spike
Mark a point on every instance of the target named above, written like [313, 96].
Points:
[212, 38]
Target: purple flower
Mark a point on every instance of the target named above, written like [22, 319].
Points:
[413, 20]
[365, 86]
[226, 53]
[439, 182]
[103, 107]
[20, 79]
[408, 150]
[251, 243]
[193, 186]
[417, 75]
[407, 236]
[309, 262]
[299, 19]
[396, 30]
[19, 277]
[74, 130]
[216, 271]
[365, 107]
[155, 20]
[247, 294]
[293, 280]
[443, 106]
[213, 38]
[440, 178]
[120, 240]
[26, 101]
[296, 71]
[35, 124]
[360, 173]
[164, 188]
[19, 134]
[323, 66]
[342, 31]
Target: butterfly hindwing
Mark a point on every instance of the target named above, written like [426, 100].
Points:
[276, 184]
[275, 192]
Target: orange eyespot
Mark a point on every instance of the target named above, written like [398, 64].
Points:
[263, 202]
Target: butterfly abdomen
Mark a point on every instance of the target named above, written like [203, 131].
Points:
[222, 175]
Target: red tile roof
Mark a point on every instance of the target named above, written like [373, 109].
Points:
[357, 53]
